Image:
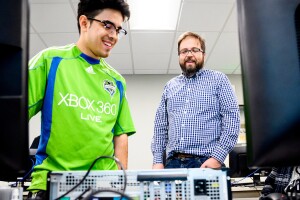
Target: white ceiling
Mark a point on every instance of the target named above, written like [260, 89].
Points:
[53, 22]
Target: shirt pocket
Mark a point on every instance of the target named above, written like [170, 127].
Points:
[175, 102]
[205, 98]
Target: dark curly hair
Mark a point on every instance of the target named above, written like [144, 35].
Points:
[91, 8]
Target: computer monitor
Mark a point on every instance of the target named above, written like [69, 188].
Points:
[14, 151]
[239, 167]
[269, 35]
[238, 162]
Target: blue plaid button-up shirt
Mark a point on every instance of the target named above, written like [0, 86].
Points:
[198, 115]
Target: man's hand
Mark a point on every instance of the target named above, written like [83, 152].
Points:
[158, 166]
[211, 163]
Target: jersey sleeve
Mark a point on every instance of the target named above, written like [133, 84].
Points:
[37, 80]
[124, 122]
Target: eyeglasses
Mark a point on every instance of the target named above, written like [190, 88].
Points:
[193, 50]
[111, 27]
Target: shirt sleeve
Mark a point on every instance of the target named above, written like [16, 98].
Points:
[160, 136]
[124, 122]
[37, 81]
[230, 120]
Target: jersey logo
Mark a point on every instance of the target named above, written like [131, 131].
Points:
[109, 87]
[90, 70]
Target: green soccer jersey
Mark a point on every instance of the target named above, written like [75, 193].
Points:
[83, 105]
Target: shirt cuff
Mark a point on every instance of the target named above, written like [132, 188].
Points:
[219, 154]
[157, 158]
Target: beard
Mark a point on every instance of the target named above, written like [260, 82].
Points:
[188, 70]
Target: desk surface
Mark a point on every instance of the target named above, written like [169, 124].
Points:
[245, 192]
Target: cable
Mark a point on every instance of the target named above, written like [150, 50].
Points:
[108, 190]
[90, 168]
[232, 184]
[85, 191]
[24, 177]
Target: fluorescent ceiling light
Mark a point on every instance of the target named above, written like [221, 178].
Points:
[153, 14]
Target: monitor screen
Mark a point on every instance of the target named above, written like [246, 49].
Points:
[269, 35]
[14, 151]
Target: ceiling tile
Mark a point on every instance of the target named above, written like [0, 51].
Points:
[75, 6]
[238, 70]
[231, 24]
[203, 16]
[49, 18]
[59, 39]
[225, 53]
[152, 42]
[151, 61]
[174, 64]
[31, 30]
[36, 45]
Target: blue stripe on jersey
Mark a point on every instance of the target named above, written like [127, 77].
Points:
[121, 89]
[47, 111]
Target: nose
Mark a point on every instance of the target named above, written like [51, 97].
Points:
[113, 33]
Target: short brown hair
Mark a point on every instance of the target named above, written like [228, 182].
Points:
[191, 34]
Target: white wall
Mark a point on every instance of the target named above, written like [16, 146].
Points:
[143, 93]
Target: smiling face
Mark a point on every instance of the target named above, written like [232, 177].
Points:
[95, 40]
[191, 62]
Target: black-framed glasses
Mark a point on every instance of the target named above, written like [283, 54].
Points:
[193, 50]
[111, 27]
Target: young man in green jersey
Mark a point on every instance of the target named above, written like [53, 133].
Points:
[85, 113]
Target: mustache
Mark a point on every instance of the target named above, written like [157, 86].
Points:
[189, 60]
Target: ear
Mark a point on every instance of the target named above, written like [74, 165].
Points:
[84, 23]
